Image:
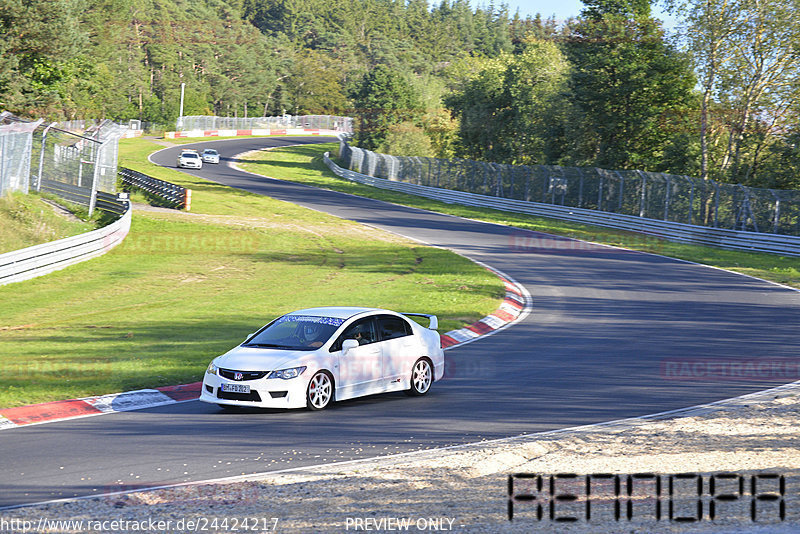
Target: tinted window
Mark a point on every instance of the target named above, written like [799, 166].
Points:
[391, 327]
[296, 332]
[362, 331]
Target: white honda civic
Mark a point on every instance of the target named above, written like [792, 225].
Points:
[312, 357]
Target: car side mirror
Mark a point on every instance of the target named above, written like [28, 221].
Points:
[349, 344]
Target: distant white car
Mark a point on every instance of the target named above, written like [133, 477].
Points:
[210, 155]
[190, 159]
[312, 357]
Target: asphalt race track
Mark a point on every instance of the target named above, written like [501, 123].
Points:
[608, 329]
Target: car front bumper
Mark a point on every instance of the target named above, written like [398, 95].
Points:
[264, 393]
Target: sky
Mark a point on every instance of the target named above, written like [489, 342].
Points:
[562, 9]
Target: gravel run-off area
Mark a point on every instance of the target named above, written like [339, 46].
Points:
[740, 457]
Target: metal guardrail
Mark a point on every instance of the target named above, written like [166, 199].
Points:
[681, 232]
[652, 195]
[178, 196]
[42, 259]
[83, 196]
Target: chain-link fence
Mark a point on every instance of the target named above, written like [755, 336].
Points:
[645, 194]
[16, 142]
[314, 122]
[85, 160]
[50, 157]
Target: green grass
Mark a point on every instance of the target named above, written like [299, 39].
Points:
[185, 287]
[26, 220]
[284, 163]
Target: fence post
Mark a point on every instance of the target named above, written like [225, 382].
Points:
[775, 225]
[41, 157]
[644, 194]
[600, 187]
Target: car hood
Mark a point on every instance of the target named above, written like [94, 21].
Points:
[255, 359]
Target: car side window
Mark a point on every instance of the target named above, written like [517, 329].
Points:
[391, 327]
[362, 331]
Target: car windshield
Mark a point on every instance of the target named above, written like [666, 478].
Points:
[189, 155]
[210, 152]
[295, 332]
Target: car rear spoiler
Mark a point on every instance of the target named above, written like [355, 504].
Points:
[433, 319]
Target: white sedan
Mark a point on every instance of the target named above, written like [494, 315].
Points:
[210, 155]
[312, 357]
[190, 159]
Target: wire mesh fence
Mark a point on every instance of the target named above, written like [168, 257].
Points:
[85, 159]
[78, 157]
[313, 122]
[652, 195]
[16, 142]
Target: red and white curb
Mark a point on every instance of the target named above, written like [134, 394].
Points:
[250, 132]
[514, 308]
[89, 406]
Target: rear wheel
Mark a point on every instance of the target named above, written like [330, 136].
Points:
[320, 391]
[421, 377]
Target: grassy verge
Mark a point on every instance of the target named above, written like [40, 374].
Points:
[284, 163]
[26, 220]
[185, 287]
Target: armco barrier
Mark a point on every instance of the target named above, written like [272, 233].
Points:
[41, 259]
[685, 233]
[178, 196]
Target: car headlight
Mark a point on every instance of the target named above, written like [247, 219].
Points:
[287, 374]
[212, 369]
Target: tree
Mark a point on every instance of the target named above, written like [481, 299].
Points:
[406, 139]
[712, 25]
[512, 110]
[382, 99]
[40, 41]
[745, 53]
[597, 9]
[629, 85]
[474, 101]
[315, 84]
[763, 77]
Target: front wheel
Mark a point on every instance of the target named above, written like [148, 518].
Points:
[320, 391]
[421, 378]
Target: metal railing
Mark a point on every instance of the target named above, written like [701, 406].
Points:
[678, 199]
[681, 232]
[42, 259]
[174, 195]
[312, 122]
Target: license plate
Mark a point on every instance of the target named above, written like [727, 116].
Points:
[235, 388]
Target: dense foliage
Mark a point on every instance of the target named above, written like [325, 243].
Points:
[608, 88]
